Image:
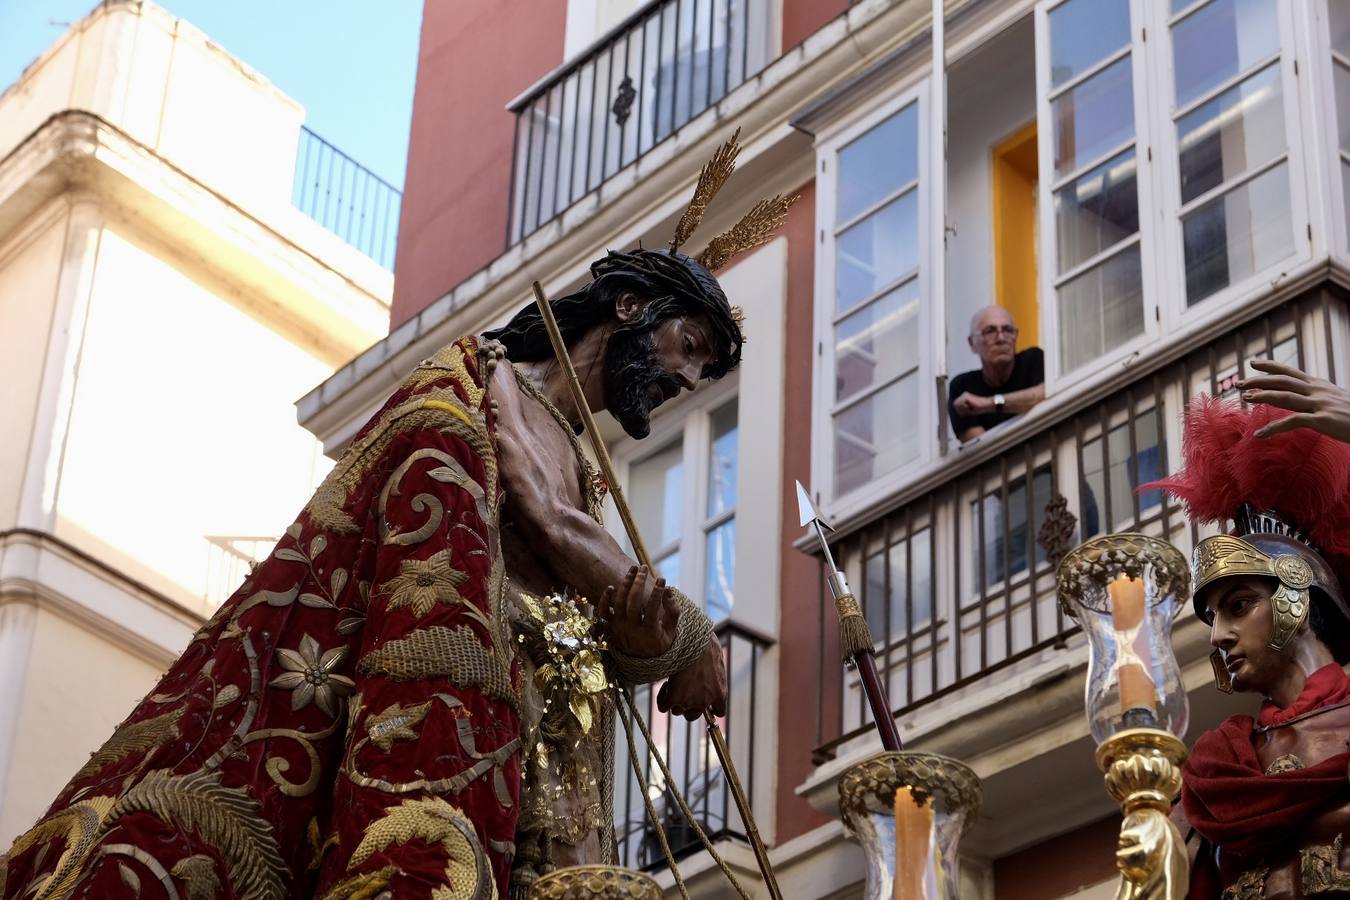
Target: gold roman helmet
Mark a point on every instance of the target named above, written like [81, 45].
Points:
[1288, 498]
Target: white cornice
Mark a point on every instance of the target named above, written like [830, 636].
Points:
[42, 570]
[286, 268]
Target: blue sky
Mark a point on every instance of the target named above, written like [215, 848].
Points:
[351, 63]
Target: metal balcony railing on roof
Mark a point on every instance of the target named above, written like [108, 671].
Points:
[960, 583]
[634, 88]
[346, 198]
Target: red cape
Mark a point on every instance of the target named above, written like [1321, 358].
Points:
[1234, 805]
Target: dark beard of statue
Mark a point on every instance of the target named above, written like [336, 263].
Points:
[631, 368]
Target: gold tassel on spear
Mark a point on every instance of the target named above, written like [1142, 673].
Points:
[640, 549]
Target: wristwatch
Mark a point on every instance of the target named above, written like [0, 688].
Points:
[999, 402]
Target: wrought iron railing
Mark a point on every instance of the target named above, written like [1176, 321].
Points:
[960, 582]
[346, 198]
[637, 86]
[229, 560]
[692, 762]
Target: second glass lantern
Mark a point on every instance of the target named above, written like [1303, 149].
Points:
[1125, 591]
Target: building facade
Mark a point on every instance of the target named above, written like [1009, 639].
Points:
[1157, 191]
[164, 299]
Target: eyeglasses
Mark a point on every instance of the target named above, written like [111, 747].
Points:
[989, 332]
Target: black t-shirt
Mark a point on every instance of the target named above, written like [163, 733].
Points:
[1028, 371]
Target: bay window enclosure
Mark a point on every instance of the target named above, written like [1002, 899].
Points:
[871, 318]
[683, 497]
[1232, 149]
[1087, 80]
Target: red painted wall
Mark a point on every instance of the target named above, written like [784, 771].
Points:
[801, 18]
[799, 590]
[1060, 865]
[475, 57]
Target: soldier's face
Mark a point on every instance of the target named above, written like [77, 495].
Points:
[1241, 629]
[645, 369]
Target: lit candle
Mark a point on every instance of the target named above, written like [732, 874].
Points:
[913, 847]
[1127, 614]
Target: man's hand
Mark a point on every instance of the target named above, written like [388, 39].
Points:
[1315, 402]
[641, 616]
[969, 404]
[701, 686]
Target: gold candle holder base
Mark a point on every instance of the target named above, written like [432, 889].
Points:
[867, 804]
[595, 883]
[1142, 769]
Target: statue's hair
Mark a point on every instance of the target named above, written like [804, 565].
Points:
[670, 283]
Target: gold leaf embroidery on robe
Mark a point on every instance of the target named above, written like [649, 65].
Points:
[468, 875]
[423, 583]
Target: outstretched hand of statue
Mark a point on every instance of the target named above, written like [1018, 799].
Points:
[641, 615]
[1315, 402]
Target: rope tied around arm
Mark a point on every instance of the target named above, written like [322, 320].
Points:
[692, 630]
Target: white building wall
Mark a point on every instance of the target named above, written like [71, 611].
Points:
[78, 686]
[182, 423]
[29, 262]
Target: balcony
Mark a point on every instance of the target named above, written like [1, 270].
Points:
[346, 198]
[958, 583]
[635, 87]
[693, 763]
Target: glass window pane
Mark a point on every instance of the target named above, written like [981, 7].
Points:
[658, 495]
[1219, 41]
[876, 251]
[1094, 117]
[1085, 32]
[1236, 131]
[719, 586]
[722, 461]
[1345, 187]
[877, 342]
[876, 436]
[1340, 26]
[1342, 79]
[1097, 210]
[1125, 473]
[1235, 235]
[878, 163]
[668, 568]
[1006, 559]
[881, 597]
[1101, 308]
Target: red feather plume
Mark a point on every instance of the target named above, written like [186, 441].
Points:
[1302, 476]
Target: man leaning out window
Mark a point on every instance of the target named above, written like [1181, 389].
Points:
[1006, 384]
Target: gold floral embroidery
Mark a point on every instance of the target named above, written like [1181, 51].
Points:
[310, 676]
[440, 652]
[422, 583]
[198, 874]
[468, 875]
[397, 723]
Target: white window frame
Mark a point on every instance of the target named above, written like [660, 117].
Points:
[822, 390]
[690, 422]
[1056, 379]
[1171, 294]
[1327, 209]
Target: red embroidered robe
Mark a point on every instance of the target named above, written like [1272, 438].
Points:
[346, 724]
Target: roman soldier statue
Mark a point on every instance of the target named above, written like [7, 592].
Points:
[1266, 799]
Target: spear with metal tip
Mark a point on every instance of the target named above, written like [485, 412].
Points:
[854, 634]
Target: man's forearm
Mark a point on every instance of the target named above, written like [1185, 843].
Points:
[1022, 401]
[576, 548]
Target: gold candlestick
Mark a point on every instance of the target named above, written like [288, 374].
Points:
[1125, 590]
